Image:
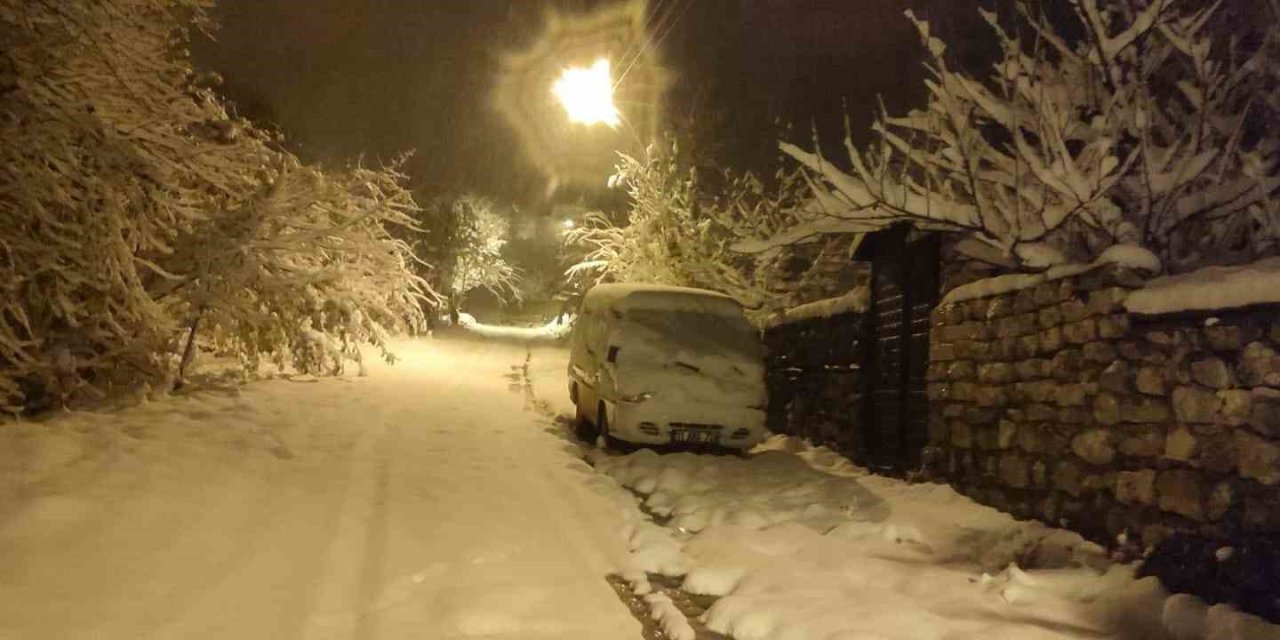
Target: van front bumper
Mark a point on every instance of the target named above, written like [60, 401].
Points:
[652, 423]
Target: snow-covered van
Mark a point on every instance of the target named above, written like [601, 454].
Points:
[653, 364]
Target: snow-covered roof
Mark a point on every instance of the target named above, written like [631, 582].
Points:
[1210, 288]
[636, 295]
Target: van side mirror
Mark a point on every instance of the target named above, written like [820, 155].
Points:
[613, 355]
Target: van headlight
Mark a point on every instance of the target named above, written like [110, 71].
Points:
[639, 397]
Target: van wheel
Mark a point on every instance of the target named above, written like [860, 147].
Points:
[582, 428]
[611, 443]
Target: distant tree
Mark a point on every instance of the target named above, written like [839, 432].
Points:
[1153, 128]
[464, 239]
[693, 228]
[137, 219]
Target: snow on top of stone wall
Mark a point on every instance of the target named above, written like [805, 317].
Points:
[855, 301]
[1123, 255]
[1210, 288]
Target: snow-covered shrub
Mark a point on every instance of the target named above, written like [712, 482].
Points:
[131, 205]
[681, 231]
[1150, 126]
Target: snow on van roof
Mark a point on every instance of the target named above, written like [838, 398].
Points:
[632, 295]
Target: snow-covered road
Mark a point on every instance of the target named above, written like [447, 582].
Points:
[423, 501]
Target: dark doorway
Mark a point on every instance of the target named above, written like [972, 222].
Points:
[904, 290]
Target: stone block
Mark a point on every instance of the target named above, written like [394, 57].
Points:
[1230, 337]
[1049, 317]
[1115, 378]
[1237, 406]
[961, 332]
[1259, 458]
[1033, 369]
[1074, 415]
[1015, 471]
[977, 308]
[1039, 473]
[1045, 294]
[1070, 395]
[1259, 365]
[962, 370]
[1145, 411]
[986, 437]
[1100, 352]
[1136, 487]
[996, 373]
[1041, 412]
[1114, 326]
[1050, 340]
[1219, 452]
[961, 434]
[954, 410]
[1066, 365]
[936, 391]
[1262, 513]
[1181, 445]
[1152, 381]
[939, 433]
[1264, 415]
[1000, 307]
[1028, 347]
[1146, 444]
[1079, 333]
[1024, 301]
[1108, 300]
[1195, 404]
[1096, 446]
[1211, 372]
[1106, 409]
[942, 352]
[991, 396]
[1006, 432]
[1178, 491]
[1073, 310]
[1221, 498]
[1275, 331]
[980, 415]
[1067, 478]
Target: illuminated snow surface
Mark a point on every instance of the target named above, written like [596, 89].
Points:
[436, 499]
[421, 501]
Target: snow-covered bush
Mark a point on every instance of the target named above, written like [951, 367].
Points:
[1149, 125]
[131, 206]
[681, 231]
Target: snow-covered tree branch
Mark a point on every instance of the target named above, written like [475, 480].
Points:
[135, 213]
[1149, 129]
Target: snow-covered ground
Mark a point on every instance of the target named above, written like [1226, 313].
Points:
[802, 545]
[423, 501]
[438, 499]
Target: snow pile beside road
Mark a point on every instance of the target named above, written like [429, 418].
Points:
[553, 331]
[801, 544]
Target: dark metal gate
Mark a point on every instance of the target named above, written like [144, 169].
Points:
[904, 290]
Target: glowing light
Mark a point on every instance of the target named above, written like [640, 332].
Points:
[568, 224]
[586, 93]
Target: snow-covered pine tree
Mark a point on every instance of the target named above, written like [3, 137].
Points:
[1151, 128]
[120, 171]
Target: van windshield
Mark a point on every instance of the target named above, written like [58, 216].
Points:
[699, 331]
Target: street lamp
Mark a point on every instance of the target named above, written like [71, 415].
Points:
[586, 93]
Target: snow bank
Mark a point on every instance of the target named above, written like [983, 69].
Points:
[1123, 255]
[1210, 288]
[854, 301]
[551, 332]
[800, 544]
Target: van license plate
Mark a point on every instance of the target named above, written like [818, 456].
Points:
[694, 435]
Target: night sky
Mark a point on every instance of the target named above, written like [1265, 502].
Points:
[373, 78]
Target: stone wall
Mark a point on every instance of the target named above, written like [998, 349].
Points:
[1054, 403]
